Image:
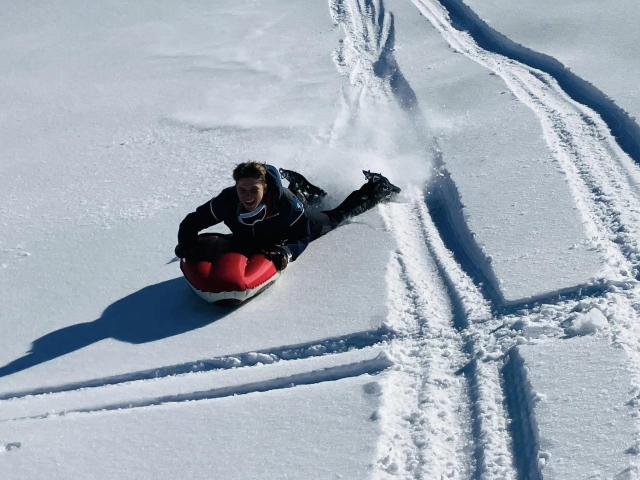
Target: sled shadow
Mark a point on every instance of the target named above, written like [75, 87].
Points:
[153, 313]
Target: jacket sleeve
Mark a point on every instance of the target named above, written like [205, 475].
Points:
[202, 218]
[299, 236]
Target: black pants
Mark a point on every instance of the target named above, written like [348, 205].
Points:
[320, 223]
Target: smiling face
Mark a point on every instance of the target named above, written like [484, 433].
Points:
[250, 192]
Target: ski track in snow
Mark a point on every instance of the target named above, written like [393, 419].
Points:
[128, 391]
[294, 352]
[453, 358]
[438, 420]
[442, 413]
[604, 184]
[451, 381]
[603, 179]
[453, 361]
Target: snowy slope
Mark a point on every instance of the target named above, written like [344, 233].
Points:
[597, 42]
[456, 332]
[558, 384]
[284, 435]
[505, 198]
[115, 215]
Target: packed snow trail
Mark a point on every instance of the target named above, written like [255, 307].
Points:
[442, 413]
[623, 126]
[433, 354]
[476, 324]
[329, 346]
[603, 179]
[261, 377]
[425, 416]
[452, 354]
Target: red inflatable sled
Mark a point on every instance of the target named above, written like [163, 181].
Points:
[231, 278]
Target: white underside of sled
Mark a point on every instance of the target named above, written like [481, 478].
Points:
[237, 296]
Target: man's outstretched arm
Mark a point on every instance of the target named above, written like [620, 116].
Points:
[193, 223]
[298, 237]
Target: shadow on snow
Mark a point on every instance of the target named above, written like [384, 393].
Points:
[152, 313]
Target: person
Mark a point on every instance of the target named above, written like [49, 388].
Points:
[264, 216]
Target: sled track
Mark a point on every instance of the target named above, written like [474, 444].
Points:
[292, 352]
[623, 127]
[127, 396]
[604, 181]
[439, 407]
[442, 413]
[452, 318]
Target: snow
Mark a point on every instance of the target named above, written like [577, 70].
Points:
[579, 394]
[250, 373]
[506, 219]
[586, 323]
[301, 434]
[484, 324]
[164, 324]
[599, 44]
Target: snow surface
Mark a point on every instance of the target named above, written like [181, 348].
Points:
[321, 431]
[511, 220]
[163, 325]
[599, 44]
[460, 331]
[580, 407]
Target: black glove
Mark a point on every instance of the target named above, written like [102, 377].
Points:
[279, 255]
[188, 252]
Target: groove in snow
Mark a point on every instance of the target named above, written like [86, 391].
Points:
[329, 374]
[438, 416]
[602, 178]
[493, 445]
[623, 127]
[287, 352]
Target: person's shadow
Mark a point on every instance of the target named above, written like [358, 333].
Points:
[155, 312]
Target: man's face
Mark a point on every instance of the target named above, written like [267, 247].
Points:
[250, 192]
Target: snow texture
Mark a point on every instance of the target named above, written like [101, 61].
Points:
[303, 435]
[584, 422]
[576, 44]
[484, 324]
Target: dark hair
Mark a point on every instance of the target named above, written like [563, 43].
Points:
[255, 170]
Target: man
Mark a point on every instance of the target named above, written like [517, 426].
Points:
[266, 217]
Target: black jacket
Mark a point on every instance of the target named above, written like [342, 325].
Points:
[285, 224]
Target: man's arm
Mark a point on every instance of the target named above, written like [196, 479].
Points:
[298, 236]
[193, 223]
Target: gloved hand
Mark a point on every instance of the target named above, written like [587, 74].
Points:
[188, 252]
[279, 255]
